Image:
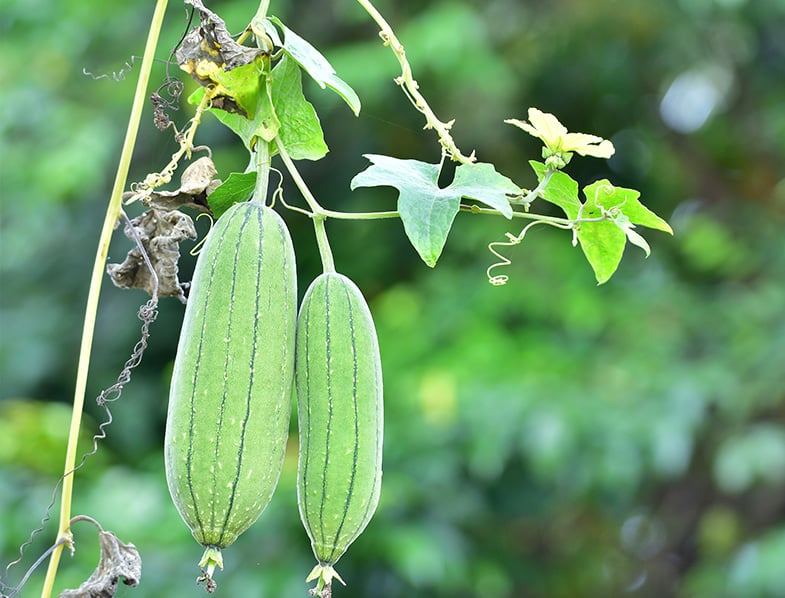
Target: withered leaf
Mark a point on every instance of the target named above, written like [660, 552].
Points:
[209, 48]
[118, 560]
[160, 233]
[196, 183]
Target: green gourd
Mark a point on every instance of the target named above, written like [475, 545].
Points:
[230, 396]
[338, 378]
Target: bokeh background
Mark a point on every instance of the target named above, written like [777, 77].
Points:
[549, 438]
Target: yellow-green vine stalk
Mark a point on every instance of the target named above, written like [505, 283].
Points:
[412, 89]
[112, 215]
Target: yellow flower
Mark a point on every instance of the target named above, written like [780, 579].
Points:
[558, 142]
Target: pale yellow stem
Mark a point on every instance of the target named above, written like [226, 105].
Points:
[411, 88]
[112, 215]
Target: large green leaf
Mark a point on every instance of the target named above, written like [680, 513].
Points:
[428, 211]
[281, 110]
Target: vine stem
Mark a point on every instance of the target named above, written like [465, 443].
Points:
[113, 212]
[412, 89]
[186, 140]
[318, 213]
[317, 209]
[360, 215]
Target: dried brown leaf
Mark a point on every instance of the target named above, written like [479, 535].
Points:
[211, 43]
[160, 234]
[196, 183]
[117, 561]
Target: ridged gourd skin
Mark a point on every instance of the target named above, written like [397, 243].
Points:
[231, 390]
[338, 379]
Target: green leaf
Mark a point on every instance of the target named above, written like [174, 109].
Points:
[264, 125]
[561, 190]
[300, 130]
[314, 63]
[603, 242]
[482, 183]
[240, 87]
[426, 210]
[282, 110]
[624, 210]
[603, 245]
[236, 188]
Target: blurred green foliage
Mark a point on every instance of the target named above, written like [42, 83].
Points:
[549, 438]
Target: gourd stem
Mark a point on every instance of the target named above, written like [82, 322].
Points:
[262, 157]
[325, 253]
[112, 214]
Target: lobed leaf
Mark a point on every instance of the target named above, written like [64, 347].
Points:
[481, 182]
[603, 193]
[427, 212]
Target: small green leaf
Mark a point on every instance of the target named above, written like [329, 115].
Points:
[314, 63]
[238, 187]
[561, 190]
[603, 193]
[300, 131]
[426, 210]
[603, 241]
[481, 182]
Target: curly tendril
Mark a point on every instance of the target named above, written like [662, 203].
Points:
[148, 312]
[512, 240]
